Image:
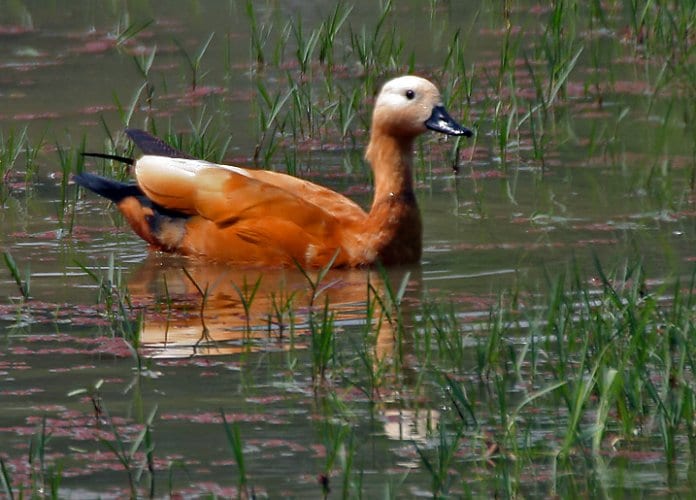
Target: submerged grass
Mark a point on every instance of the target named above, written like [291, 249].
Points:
[619, 359]
[603, 368]
[235, 441]
[18, 159]
[23, 284]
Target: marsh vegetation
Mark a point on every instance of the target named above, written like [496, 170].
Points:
[544, 346]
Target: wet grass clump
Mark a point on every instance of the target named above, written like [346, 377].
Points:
[551, 394]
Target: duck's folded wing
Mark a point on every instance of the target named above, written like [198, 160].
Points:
[225, 195]
[330, 201]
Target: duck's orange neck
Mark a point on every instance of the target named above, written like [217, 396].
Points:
[394, 221]
[391, 161]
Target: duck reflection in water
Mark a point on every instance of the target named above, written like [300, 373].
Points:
[193, 308]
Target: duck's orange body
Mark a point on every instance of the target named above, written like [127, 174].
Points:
[263, 218]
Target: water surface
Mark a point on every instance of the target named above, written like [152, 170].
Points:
[607, 178]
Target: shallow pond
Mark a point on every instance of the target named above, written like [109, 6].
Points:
[555, 240]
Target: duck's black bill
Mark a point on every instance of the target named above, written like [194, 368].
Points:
[441, 121]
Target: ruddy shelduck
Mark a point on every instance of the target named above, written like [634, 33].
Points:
[261, 218]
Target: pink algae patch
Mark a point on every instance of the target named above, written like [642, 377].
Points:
[194, 96]
[45, 235]
[78, 426]
[14, 365]
[208, 488]
[21, 392]
[267, 399]
[72, 368]
[488, 174]
[319, 450]
[13, 29]
[644, 456]
[116, 347]
[99, 108]
[35, 116]
[202, 91]
[277, 443]
[49, 408]
[95, 46]
[215, 418]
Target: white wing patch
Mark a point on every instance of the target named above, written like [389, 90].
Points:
[163, 165]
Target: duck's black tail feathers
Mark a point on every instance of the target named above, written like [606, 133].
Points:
[151, 145]
[148, 144]
[122, 159]
[108, 188]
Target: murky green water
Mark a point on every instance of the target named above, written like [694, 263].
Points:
[606, 173]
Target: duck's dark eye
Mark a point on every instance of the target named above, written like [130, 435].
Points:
[410, 94]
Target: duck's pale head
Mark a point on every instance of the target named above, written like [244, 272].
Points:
[410, 105]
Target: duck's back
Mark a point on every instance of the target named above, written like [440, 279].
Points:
[246, 216]
[200, 187]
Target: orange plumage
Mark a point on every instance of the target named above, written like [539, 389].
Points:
[263, 218]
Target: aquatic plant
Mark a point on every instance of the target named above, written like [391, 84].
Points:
[14, 147]
[23, 284]
[260, 33]
[235, 441]
[194, 61]
[246, 294]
